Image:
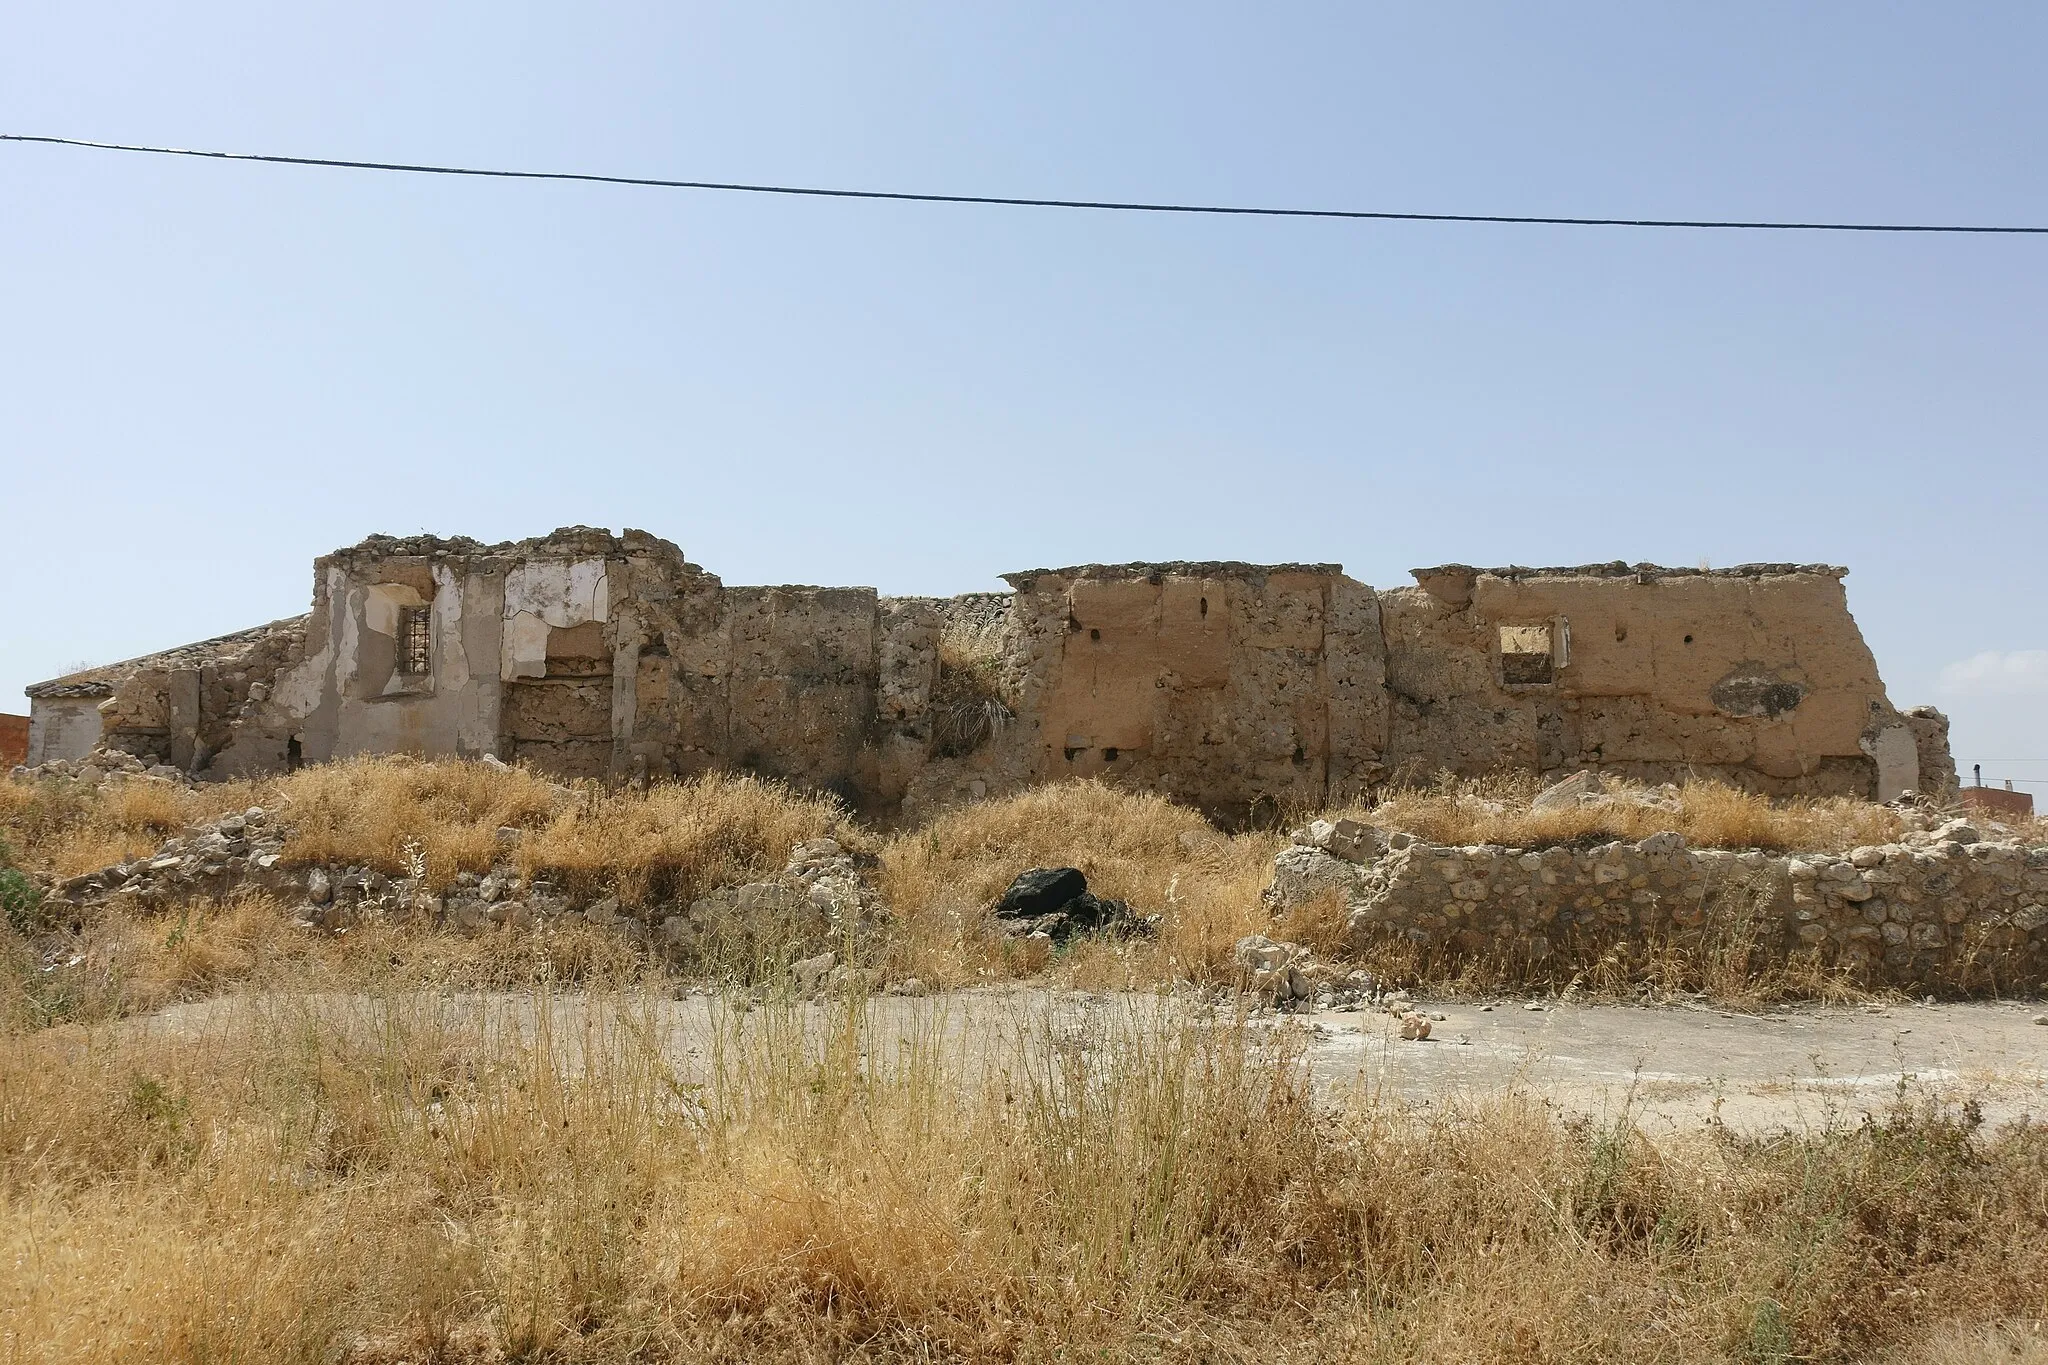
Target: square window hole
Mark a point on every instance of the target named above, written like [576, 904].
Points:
[1526, 655]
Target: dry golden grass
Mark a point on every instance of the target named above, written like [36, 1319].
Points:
[1165, 859]
[677, 841]
[2013, 1343]
[111, 964]
[347, 1162]
[666, 846]
[376, 810]
[672, 842]
[1495, 810]
[415, 1178]
[66, 828]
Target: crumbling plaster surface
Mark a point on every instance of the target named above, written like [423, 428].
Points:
[1206, 682]
[1757, 675]
[62, 728]
[1243, 689]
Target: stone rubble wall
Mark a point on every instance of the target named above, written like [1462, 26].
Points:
[1956, 908]
[820, 900]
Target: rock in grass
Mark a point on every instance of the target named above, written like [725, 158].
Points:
[1041, 891]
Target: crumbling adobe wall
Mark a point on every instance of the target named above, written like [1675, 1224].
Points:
[1211, 683]
[1242, 689]
[1755, 675]
[801, 679]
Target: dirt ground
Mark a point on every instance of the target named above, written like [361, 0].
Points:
[1672, 1068]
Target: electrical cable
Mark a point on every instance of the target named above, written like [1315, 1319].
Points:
[1019, 201]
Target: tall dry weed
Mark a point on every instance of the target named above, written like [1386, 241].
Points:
[65, 828]
[414, 1177]
[677, 841]
[1495, 810]
[370, 810]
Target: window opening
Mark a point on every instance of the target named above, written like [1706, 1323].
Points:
[1527, 654]
[415, 641]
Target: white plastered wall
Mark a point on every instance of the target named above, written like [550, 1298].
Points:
[544, 595]
[63, 728]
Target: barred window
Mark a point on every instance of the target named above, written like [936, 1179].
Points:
[415, 641]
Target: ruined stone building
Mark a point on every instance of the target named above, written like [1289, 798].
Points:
[1233, 687]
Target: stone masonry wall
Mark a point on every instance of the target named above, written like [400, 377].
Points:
[1960, 907]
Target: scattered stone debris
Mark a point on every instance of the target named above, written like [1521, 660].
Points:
[1289, 976]
[1584, 788]
[216, 859]
[105, 765]
[1055, 904]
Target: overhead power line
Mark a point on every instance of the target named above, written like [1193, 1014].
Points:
[1019, 201]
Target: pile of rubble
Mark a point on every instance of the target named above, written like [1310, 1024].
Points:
[1289, 976]
[104, 765]
[232, 853]
[1586, 789]
[822, 897]
[819, 897]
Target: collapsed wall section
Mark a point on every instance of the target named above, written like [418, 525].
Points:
[178, 707]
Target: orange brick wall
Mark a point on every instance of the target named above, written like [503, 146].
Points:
[1998, 801]
[13, 741]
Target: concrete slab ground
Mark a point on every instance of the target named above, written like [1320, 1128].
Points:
[1673, 1069]
[1678, 1067]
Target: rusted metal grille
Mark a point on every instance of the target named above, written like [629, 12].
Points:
[415, 641]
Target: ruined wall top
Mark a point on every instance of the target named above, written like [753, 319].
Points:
[563, 542]
[102, 680]
[1638, 572]
[1023, 580]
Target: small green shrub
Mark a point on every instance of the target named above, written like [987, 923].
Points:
[21, 900]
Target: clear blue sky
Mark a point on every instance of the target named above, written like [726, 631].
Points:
[211, 373]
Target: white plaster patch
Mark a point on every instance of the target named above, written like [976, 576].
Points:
[525, 651]
[349, 651]
[1898, 761]
[562, 593]
[299, 689]
[540, 594]
[451, 666]
[381, 602]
